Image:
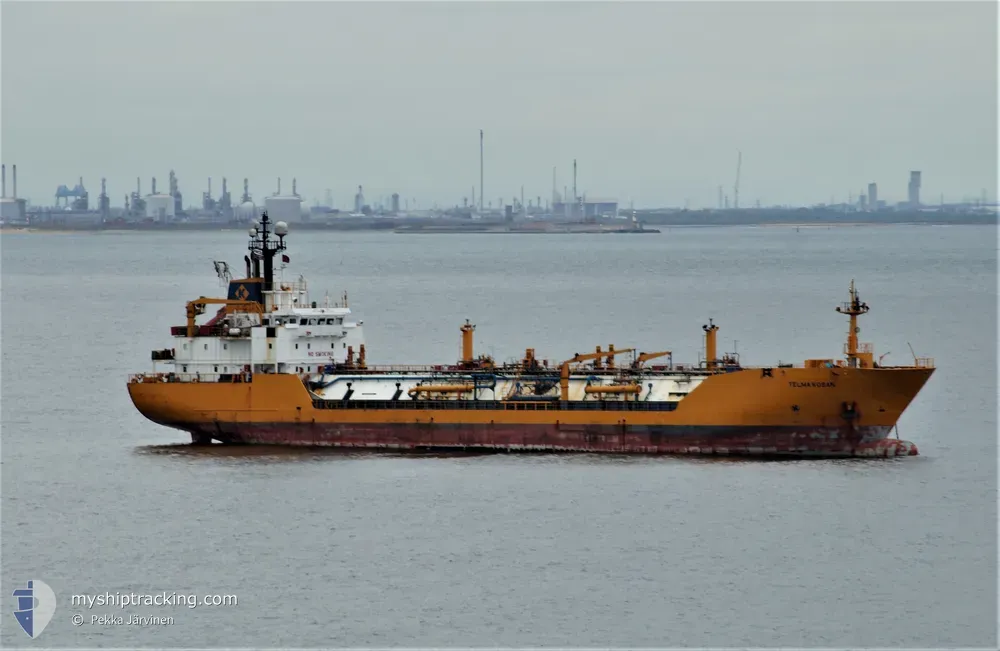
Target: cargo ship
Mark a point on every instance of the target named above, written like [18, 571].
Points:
[273, 367]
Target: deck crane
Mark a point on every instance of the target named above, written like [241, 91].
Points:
[645, 357]
[564, 369]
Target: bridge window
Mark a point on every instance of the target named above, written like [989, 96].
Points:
[333, 345]
[302, 322]
[309, 346]
[296, 346]
[184, 369]
[270, 346]
[216, 369]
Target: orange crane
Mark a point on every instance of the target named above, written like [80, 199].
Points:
[197, 306]
[645, 357]
[564, 370]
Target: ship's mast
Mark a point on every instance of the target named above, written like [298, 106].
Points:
[710, 344]
[263, 248]
[853, 309]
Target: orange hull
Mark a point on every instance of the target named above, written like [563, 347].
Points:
[793, 411]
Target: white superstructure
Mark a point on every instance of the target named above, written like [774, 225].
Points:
[285, 338]
[268, 324]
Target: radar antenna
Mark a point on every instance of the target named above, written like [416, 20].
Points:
[222, 270]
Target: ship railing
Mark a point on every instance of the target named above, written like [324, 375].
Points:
[514, 369]
[924, 362]
[294, 286]
[398, 368]
[862, 348]
[215, 330]
[758, 367]
[848, 306]
[653, 369]
[664, 369]
[499, 405]
[169, 378]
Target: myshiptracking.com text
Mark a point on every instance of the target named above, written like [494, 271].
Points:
[126, 599]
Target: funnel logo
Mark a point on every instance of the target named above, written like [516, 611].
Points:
[35, 606]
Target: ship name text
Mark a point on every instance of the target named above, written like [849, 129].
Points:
[812, 385]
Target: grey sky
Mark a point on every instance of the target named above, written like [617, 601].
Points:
[652, 99]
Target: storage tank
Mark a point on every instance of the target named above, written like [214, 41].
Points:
[286, 208]
[10, 210]
[246, 211]
[159, 206]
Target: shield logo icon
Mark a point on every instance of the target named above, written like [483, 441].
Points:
[35, 606]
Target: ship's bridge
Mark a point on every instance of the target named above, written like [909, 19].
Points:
[266, 324]
[286, 296]
[282, 296]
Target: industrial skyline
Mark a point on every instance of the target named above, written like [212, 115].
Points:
[558, 201]
[661, 118]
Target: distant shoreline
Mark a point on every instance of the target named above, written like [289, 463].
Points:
[452, 230]
[9, 230]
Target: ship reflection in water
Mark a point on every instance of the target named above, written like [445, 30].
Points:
[296, 452]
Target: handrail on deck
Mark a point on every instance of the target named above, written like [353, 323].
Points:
[167, 378]
[862, 348]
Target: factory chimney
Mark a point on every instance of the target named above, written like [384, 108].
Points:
[3, 171]
[481, 170]
[294, 190]
[576, 197]
[914, 190]
[279, 186]
[15, 181]
[154, 185]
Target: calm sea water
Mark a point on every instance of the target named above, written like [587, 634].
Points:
[340, 550]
